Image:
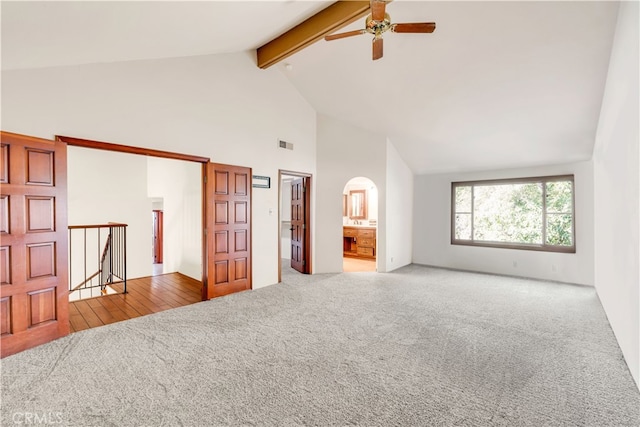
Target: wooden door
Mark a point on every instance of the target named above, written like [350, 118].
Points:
[228, 228]
[33, 250]
[298, 225]
[157, 236]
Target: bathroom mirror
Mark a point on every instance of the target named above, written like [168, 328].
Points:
[358, 204]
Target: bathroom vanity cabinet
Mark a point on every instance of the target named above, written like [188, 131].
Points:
[359, 242]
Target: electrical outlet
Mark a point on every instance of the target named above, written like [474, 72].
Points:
[515, 264]
[554, 268]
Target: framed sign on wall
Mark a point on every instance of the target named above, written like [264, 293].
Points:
[261, 181]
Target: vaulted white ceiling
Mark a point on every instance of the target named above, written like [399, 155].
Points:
[498, 84]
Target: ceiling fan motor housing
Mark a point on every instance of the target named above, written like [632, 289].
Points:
[378, 27]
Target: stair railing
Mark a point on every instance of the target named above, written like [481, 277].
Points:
[98, 255]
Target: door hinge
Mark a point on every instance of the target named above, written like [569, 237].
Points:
[205, 179]
[304, 226]
[304, 262]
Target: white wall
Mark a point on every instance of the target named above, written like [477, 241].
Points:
[178, 183]
[345, 152]
[217, 106]
[399, 210]
[617, 188]
[432, 232]
[104, 187]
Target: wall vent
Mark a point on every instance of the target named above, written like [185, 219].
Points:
[286, 145]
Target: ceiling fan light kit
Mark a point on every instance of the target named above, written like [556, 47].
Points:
[379, 22]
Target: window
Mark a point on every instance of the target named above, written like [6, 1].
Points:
[524, 213]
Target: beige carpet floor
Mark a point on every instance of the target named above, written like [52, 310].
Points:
[415, 347]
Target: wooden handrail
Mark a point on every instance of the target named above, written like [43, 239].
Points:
[86, 281]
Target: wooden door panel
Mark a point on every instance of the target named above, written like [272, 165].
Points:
[42, 306]
[33, 255]
[39, 167]
[228, 222]
[221, 182]
[222, 242]
[4, 163]
[222, 212]
[4, 214]
[5, 316]
[221, 274]
[240, 212]
[41, 260]
[241, 240]
[5, 265]
[240, 265]
[40, 213]
[241, 187]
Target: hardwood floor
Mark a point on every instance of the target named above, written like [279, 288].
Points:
[350, 265]
[144, 296]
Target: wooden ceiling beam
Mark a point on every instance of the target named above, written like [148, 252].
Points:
[327, 21]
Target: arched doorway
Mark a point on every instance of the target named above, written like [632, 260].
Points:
[359, 225]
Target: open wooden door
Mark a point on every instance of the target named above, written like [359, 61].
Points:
[297, 225]
[300, 225]
[158, 236]
[34, 302]
[228, 230]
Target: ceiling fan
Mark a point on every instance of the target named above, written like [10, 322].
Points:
[378, 22]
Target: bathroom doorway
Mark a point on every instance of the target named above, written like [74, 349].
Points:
[359, 225]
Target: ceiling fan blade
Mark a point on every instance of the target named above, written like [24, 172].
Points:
[415, 27]
[377, 9]
[377, 48]
[343, 35]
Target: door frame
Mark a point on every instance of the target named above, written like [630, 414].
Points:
[204, 161]
[308, 217]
